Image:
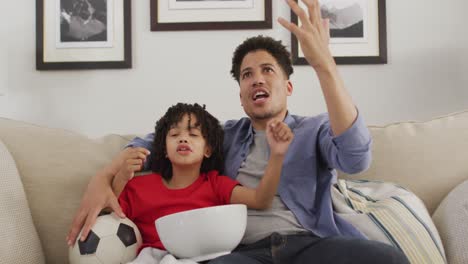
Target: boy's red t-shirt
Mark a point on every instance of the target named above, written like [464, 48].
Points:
[146, 198]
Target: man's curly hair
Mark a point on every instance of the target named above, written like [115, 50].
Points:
[211, 131]
[270, 45]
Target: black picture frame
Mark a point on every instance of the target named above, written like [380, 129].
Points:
[121, 60]
[157, 8]
[380, 58]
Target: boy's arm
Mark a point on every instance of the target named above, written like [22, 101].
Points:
[262, 196]
[279, 136]
[134, 159]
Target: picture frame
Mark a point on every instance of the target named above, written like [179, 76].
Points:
[364, 42]
[176, 15]
[83, 34]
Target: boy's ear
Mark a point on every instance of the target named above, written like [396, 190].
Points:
[208, 152]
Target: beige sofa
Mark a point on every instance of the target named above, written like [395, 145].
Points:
[43, 180]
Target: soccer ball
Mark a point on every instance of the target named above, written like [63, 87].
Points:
[111, 240]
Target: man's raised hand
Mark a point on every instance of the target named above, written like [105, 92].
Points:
[313, 34]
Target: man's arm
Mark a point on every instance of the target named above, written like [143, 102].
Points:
[313, 36]
[348, 152]
[99, 195]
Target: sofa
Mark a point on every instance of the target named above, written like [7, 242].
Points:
[44, 172]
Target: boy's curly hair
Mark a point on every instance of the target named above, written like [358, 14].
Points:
[210, 128]
[270, 45]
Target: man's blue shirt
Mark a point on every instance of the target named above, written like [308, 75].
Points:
[308, 168]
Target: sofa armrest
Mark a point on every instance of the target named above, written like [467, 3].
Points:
[19, 240]
[451, 219]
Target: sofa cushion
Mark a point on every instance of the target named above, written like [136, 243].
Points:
[451, 218]
[429, 158]
[391, 214]
[19, 240]
[55, 166]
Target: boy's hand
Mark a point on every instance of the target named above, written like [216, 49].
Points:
[279, 136]
[133, 160]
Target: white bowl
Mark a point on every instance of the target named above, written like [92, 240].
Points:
[205, 233]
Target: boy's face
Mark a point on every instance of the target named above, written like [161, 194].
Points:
[263, 87]
[185, 143]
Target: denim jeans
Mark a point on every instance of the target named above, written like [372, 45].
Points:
[306, 248]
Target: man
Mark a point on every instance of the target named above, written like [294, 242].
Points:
[301, 226]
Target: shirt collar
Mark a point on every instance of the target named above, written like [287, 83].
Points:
[289, 120]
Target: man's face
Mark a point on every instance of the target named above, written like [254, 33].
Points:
[264, 88]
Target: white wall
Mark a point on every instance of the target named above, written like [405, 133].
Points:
[426, 75]
[3, 57]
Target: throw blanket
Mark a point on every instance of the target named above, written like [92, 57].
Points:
[391, 214]
[156, 256]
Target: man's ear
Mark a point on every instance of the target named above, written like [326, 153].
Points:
[289, 87]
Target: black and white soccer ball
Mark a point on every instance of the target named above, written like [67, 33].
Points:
[112, 240]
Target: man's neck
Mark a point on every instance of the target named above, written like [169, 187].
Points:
[260, 124]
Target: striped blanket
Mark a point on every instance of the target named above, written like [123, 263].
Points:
[391, 214]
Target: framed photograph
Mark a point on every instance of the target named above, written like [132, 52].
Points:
[210, 14]
[358, 33]
[83, 34]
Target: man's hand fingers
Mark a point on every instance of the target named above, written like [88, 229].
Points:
[318, 13]
[315, 16]
[326, 29]
[114, 205]
[76, 226]
[301, 13]
[90, 220]
[293, 28]
[285, 23]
